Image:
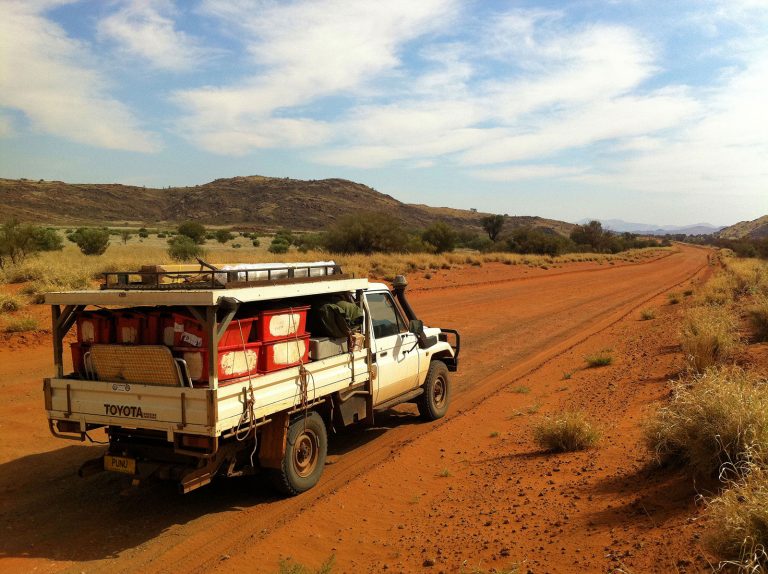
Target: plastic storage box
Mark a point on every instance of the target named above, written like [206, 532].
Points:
[276, 355]
[94, 327]
[277, 324]
[234, 362]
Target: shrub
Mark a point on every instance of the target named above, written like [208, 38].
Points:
[194, 230]
[758, 315]
[162, 235]
[718, 417]
[648, 314]
[440, 236]
[21, 325]
[9, 303]
[256, 242]
[740, 523]
[223, 235]
[183, 248]
[673, 298]
[143, 233]
[367, 233]
[492, 224]
[565, 432]
[278, 247]
[527, 240]
[601, 359]
[308, 242]
[91, 240]
[18, 241]
[709, 337]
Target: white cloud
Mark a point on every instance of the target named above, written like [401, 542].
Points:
[6, 126]
[515, 173]
[303, 51]
[46, 75]
[146, 29]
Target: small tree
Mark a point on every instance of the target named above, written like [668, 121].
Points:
[143, 233]
[223, 235]
[492, 225]
[593, 235]
[91, 240]
[18, 241]
[366, 233]
[441, 236]
[183, 248]
[194, 230]
[125, 235]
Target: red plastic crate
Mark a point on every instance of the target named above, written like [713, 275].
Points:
[232, 336]
[277, 324]
[78, 357]
[234, 362]
[188, 332]
[276, 355]
[152, 333]
[94, 327]
[130, 328]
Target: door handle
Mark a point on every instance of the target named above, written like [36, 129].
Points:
[383, 354]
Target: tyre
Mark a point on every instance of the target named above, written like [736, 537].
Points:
[304, 458]
[433, 403]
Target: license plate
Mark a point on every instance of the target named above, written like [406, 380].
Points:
[120, 464]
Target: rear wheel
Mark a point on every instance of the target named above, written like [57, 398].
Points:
[304, 458]
[433, 403]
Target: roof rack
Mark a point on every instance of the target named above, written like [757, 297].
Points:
[157, 277]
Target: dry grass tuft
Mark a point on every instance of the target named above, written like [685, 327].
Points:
[758, 315]
[10, 303]
[565, 432]
[21, 325]
[715, 418]
[718, 291]
[648, 314]
[750, 276]
[740, 523]
[709, 337]
[601, 359]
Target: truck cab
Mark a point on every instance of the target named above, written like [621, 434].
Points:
[199, 371]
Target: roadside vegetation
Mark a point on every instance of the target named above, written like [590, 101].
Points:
[716, 421]
[565, 432]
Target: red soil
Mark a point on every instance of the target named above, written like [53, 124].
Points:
[471, 492]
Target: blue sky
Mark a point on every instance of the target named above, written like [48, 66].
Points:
[640, 110]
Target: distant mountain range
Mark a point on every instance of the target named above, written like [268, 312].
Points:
[621, 226]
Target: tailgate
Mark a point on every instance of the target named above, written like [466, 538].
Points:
[131, 405]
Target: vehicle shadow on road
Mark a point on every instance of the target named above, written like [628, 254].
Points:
[47, 511]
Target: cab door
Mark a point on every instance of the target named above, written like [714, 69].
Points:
[397, 355]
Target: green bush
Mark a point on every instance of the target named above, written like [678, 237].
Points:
[90, 240]
[527, 240]
[278, 245]
[256, 243]
[223, 235]
[9, 303]
[183, 248]
[18, 241]
[194, 230]
[492, 224]
[367, 232]
[440, 236]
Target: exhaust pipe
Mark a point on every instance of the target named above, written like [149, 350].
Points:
[399, 286]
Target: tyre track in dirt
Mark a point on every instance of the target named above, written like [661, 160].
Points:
[526, 324]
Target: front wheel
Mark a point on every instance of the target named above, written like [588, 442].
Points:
[305, 450]
[433, 403]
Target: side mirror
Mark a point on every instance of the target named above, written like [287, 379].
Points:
[416, 327]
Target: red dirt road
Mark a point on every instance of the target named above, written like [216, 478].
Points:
[470, 492]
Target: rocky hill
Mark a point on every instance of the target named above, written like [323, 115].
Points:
[754, 229]
[254, 201]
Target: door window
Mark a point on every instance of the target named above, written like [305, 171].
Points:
[384, 316]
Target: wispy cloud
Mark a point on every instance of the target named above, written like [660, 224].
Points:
[145, 29]
[47, 76]
[301, 52]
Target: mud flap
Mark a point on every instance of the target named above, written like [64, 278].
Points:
[204, 475]
[272, 441]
